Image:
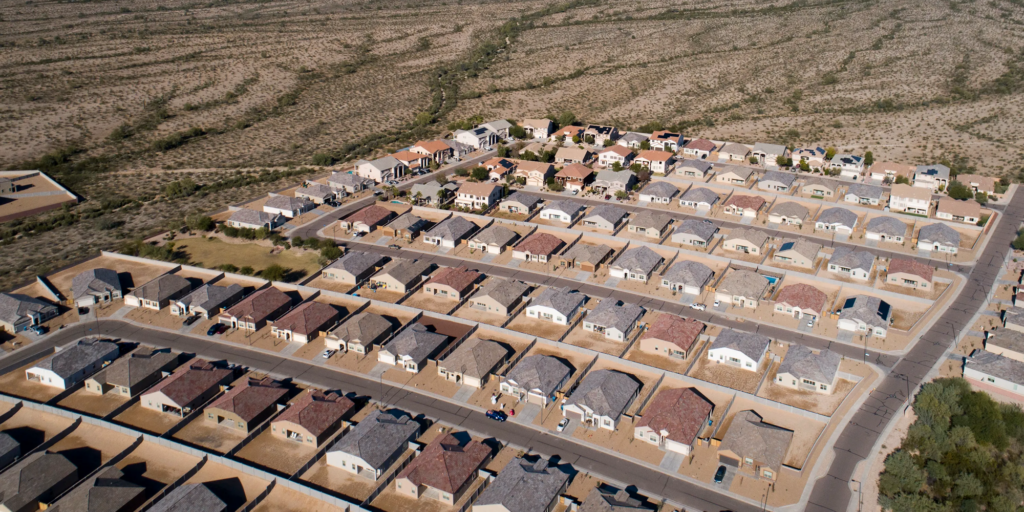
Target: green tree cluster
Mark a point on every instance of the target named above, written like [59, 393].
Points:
[958, 190]
[181, 188]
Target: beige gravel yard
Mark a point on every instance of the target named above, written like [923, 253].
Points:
[14, 383]
[726, 375]
[536, 327]
[148, 420]
[437, 304]
[270, 451]
[209, 435]
[283, 499]
[155, 466]
[92, 403]
[31, 427]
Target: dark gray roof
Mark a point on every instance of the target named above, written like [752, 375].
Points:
[784, 178]
[540, 372]
[872, 311]
[8, 444]
[692, 273]
[190, 498]
[997, 366]
[358, 262]
[850, 258]
[475, 357]
[828, 184]
[700, 195]
[587, 253]
[701, 165]
[887, 226]
[565, 206]
[791, 209]
[562, 300]
[606, 392]
[940, 233]
[416, 342]
[496, 235]
[601, 500]
[406, 271]
[1007, 338]
[749, 344]
[378, 436]
[802, 363]
[754, 236]
[1014, 315]
[348, 179]
[738, 170]
[75, 357]
[700, 228]
[134, 368]
[453, 228]
[162, 288]
[362, 328]
[316, 190]
[749, 437]
[862, 190]
[838, 215]
[524, 486]
[651, 219]
[23, 485]
[640, 259]
[503, 291]
[407, 221]
[107, 491]
[254, 217]
[524, 199]
[95, 281]
[609, 213]
[210, 296]
[745, 283]
[660, 189]
[613, 313]
[15, 306]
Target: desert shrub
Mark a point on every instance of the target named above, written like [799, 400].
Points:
[480, 173]
[330, 253]
[274, 272]
[228, 267]
[177, 139]
[323, 159]
[957, 190]
[181, 188]
[461, 172]
[246, 271]
[199, 222]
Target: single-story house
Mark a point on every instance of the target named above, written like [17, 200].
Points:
[819, 187]
[373, 444]
[313, 418]
[20, 312]
[938, 237]
[611, 182]
[636, 264]
[493, 239]
[996, 371]
[671, 336]
[348, 182]
[451, 283]
[506, 493]
[444, 470]
[472, 362]
[254, 311]
[318, 193]
[755, 446]
[687, 277]
[968, 212]
[411, 348]
[658, 192]
[851, 263]
[73, 363]
[572, 155]
[776, 181]
[94, 286]
[733, 152]
[650, 224]
[304, 323]
[733, 174]
[450, 232]
[839, 220]
[586, 257]
[1007, 342]
[499, 296]
[632, 140]
[354, 267]
[699, 148]
[613, 318]
[768, 154]
[519, 203]
[742, 289]
[888, 171]
[252, 219]
[406, 226]
[978, 183]
[695, 232]
[801, 300]
[602, 398]
[367, 219]
[745, 240]
[859, 193]
[745, 206]
[159, 293]
[697, 169]
[788, 213]
[797, 252]
[744, 350]
[359, 333]
[539, 247]
[699, 198]
[674, 419]
[38, 479]
[246, 405]
[910, 273]
[289, 207]
[885, 229]
[401, 275]
[130, 375]
[556, 305]
[809, 370]
[849, 166]
[536, 379]
[207, 301]
[865, 314]
[187, 388]
[605, 217]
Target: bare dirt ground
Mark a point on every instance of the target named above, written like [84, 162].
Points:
[14, 383]
[148, 420]
[210, 435]
[154, 466]
[282, 499]
[88, 446]
[233, 487]
[275, 453]
[726, 375]
[92, 403]
[31, 428]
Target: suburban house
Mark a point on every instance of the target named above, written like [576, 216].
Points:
[611, 154]
[431, 193]
[755, 446]
[411, 348]
[849, 166]
[493, 239]
[610, 182]
[978, 183]
[499, 296]
[636, 264]
[788, 213]
[938, 237]
[744, 206]
[631, 140]
[666, 140]
[699, 198]
[536, 379]
[459, 150]
[313, 418]
[888, 171]
[745, 240]
[687, 277]
[304, 323]
[499, 168]
[905, 198]
[586, 257]
[613, 318]
[73, 363]
[851, 263]
[602, 398]
[406, 226]
[697, 169]
[839, 220]
[519, 203]
[472, 362]
[354, 267]
[443, 470]
[671, 336]
[189, 497]
[1013, 321]
[695, 232]
[968, 212]
[207, 301]
[37, 479]
[94, 286]
[995, 371]
[477, 138]
[1007, 343]
[910, 274]
[130, 375]
[254, 311]
[252, 219]
[674, 419]
[536, 174]
[859, 193]
[498, 126]
[186, 389]
[289, 207]
[437, 150]
[564, 211]
[605, 217]
[524, 486]
[601, 133]
[733, 152]
[797, 252]
[768, 154]
[699, 148]
[556, 305]
[449, 232]
[866, 315]
[104, 490]
[20, 312]
[885, 229]
[814, 157]
[650, 224]
[744, 350]
[571, 155]
[819, 188]
[574, 176]
[809, 370]
[318, 193]
[451, 282]
[348, 182]
[734, 174]
[567, 133]
[607, 498]
[159, 293]
[401, 275]
[367, 219]
[742, 289]
[658, 192]
[359, 333]
[801, 300]
[539, 247]
[655, 160]
[776, 181]
[476, 196]
[538, 128]
[373, 444]
[932, 177]
[381, 170]
[246, 405]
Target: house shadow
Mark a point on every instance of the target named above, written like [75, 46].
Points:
[126, 280]
[194, 282]
[229, 490]
[86, 459]
[295, 296]
[136, 474]
[29, 438]
[291, 276]
[125, 347]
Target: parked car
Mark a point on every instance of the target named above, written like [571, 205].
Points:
[698, 306]
[562, 424]
[395, 247]
[392, 183]
[190, 320]
[720, 474]
[810, 323]
[496, 415]
[215, 329]
[39, 330]
[718, 303]
[83, 311]
[327, 354]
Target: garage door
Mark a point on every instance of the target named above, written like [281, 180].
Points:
[729, 461]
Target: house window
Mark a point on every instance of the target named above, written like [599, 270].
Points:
[768, 474]
[808, 382]
[823, 387]
[748, 461]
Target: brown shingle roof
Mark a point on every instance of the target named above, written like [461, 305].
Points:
[575, 171]
[656, 155]
[251, 398]
[477, 189]
[803, 296]
[316, 411]
[260, 305]
[914, 267]
[680, 412]
[307, 318]
[540, 243]
[745, 202]
[681, 332]
[458, 278]
[700, 145]
[445, 464]
[184, 385]
[960, 208]
[371, 215]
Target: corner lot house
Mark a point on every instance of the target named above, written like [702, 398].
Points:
[353, 268]
[493, 239]
[605, 216]
[1007, 342]
[359, 333]
[572, 155]
[253, 313]
[499, 296]
[744, 350]
[742, 289]
[851, 263]
[20, 312]
[840, 220]
[252, 219]
[814, 157]
[849, 166]
[650, 224]
[658, 192]
[367, 219]
[888, 171]
[443, 470]
[611, 154]
[601, 398]
[207, 301]
[473, 362]
[674, 419]
[968, 212]
[73, 363]
[744, 206]
[477, 195]
[747, 241]
[449, 232]
[734, 174]
[451, 283]
[788, 213]
[318, 193]
[931, 177]
[613, 318]
[131, 374]
[797, 252]
[910, 274]
[313, 418]
[575, 176]
[586, 257]
[776, 181]
[996, 372]
[905, 198]
[94, 286]
[699, 148]
[859, 193]
[556, 305]
[37, 479]
[159, 293]
[768, 154]
[411, 348]
[289, 207]
[671, 336]
[304, 323]
[755, 446]
[348, 183]
[189, 387]
[380, 170]
[536, 379]
[699, 198]
[865, 314]
[800, 301]
[636, 264]
[401, 275]
[819, 188]
[377, 441]
[245, 406]
[697, 169]
[524, 486]
[539, 247]
[538, 128]
[519, 203]
[695, 232]
[885, 229]
[808, 370]
[609, 181]
[689, 277]
[657, 161]
[938, 237]
[978, 183]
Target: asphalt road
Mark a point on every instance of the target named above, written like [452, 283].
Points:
[693, 497]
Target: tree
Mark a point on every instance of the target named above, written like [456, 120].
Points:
[901, 475]
[517, 131]
[830, 152]
[461, 171]
[1018, 243]
[589, 139]
[616, 166]
[323, 159]
[297, 241]
[958, 190]
[262, 233]
[330, 253]
[441, 179]
[981, 196]
[480, 173]
[504, 151]
[229, 231]
[645, 145]
[869, 158]
[227, 267]
[181, 188]
[621, 194]
[566, 118]
[274, 272]
[424, 118]
[804, 166]
[754, 160]
[608, 143]
[576, 139]
[246, 271]
[555, 186]
[198, 222]
[902, 180]
[782, 161]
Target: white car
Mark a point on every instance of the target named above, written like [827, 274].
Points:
[810, 323]
[698, 306]
[327, 354]
[562, 424]
[718, 303]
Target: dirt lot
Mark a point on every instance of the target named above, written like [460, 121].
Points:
[148, 420]
[807, 400]
[596, 341]
[154, 466]
[282, 499]
[426, 380]
[339, 481]
[535, 327]
[275, 453]
[233, 487]
[421, 300]
[212, 252]
[92, 403]
[211, 436]
[671, 364]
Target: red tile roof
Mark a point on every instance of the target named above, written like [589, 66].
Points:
[666, 136]
[617, 149]
[186, 384]
[316, 411]
[308, 318]
[680, 412]
[655, 155]
[433, 145]
[373, 215]
[458, 278]
[445, 464]
[745, 202]
[569, 131]
[251, 398]
[913, 267]
[803, 296]
[575, 171]
[409, 156]
[700, 145]
[540, 243]
[260, 305]
[681, 332]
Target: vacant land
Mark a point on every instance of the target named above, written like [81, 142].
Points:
[213, 252]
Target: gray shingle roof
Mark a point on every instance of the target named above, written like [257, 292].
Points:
[861, 190]
[744, 283]
[738, 170]
[407, 221]
[624, 176]
[940, 233]
[348, 180]
[210, 296]
[358, 262]
[95, 281]
[562, 300]
[475, 357]
[524, 199]
[587, 253]
[383, 163]
[134, 368]
[771, 149]
[701, 165]
[406, 271]
[887, 226]
[749, 437]
[600, 500]
[22, 486]
[651, 220]
[633, 137]
[540, 372]
[660, 189]
[613, 313]
[803, 247]
[784, 178]
[315, 190]
[190, 498]
[609, 213]
[362, 328]
[700, 228]
[503, 291]
[524, 486]
[700, 195]
[416, 342]
[790, 209]
[803, 363]
[1007, 338]
[107, 491]
[453, 228]
[496, 235]
[378, 436]
[821, 182]
[691, 273]
[640, 259]
[850, 258]
[937, 171]
[840, 216]
[997, 366]
[871, 310]
[749, 344]
[288, 203]
[565, 206]
[754, 236]
[75, 357]
[254, 217]
[606, 392]
[15, 306]
[162, 288]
